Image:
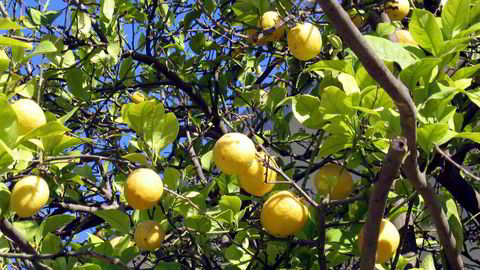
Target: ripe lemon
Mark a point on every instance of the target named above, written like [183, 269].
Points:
[149, 235]
[258, 179]
[388, 241]
[404, 36]
[397, 9]
[283, 214]
[29, 195]
[143, 189]
[29, 115]
[268, 20]
[138, 97]
[233, 153]
[304, 41]
[335, 180]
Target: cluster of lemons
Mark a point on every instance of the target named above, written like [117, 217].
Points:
[283, 214]
[304, 39]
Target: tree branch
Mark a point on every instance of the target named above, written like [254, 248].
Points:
[13, 234]
[400, 95]
[378, 201]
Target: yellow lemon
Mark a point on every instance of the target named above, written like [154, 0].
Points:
[388, 241]
[304, 41]
[29, 115]
[233, 153]
[143, 189]
[138, 97]
[397, 9]
[268, 20]
[335, 180]
[283, 214]
[29, 195]
[149, 235]
[258, 179]
[403, 36]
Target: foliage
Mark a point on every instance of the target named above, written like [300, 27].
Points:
[204, 75]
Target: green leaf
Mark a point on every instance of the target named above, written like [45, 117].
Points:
[5, 41]
[115, 218]
[49, 129]
[4, 199]
[138, 158]
[230, 202]
[149, 118]
[474, 136]
[207, 160]
[431, 134]
[87, 266]
[8, 24]
[168, 266]
[455, 15]
[43, 47]
[246, 12]
[423, 68]
[198, 223]
[77, 84]
[466, 72]
[27, 228]
[334, 101]
[349, 83]
[307, 110]
[334, 144]
[171, 178]
[107, 7]
[51, 224]
[67, 116]
[454, 221]
[343, 66]
[8, 125]
[375, 98]
[51, 244]
[389, 51]
[426, 32]
[43, 18]
[428, 263]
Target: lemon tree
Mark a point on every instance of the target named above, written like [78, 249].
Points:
[246, 134]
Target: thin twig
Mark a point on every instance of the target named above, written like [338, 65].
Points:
[456, 164]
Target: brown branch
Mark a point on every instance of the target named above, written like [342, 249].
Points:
[195, 160]
[458, 166]
[172, 76]
[18, 239]
[321, 235]
[400, 95]
[378, 201]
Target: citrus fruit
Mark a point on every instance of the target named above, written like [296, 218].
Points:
[29, 115]
[258, 179]
[233, 153]
[138, 97]
[143, 189]
[268, 20]
[397, 9]
[283, 214]
[403, 36]
[335, 180]
[29, 195]
[149, 235]
[388, 241]
[304, 41]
